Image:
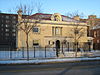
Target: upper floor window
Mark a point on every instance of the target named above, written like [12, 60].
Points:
[36, 29]
[13, 21]
[6, 34]
[6, 25]
[14, 30]
[7, 17]
[14, 17]
[2, 16]
[14, 34]
[57, 31]
[7, 21]
[95, 34]
[6, 30]
[98, 33]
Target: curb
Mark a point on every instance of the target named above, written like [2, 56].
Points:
[53, 61]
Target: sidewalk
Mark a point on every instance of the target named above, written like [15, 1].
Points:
[46, 61]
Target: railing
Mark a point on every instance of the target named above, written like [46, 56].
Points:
[39, 52]
[34, 52]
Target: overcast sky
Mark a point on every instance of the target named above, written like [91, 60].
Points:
[87, 7]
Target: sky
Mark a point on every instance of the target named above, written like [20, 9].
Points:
[87, 7]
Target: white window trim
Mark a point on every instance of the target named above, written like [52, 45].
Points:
[38, 30]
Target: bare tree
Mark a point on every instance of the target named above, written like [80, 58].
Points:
[77, 33]
[75, 13]
[39, 6]
[78, 30]
[24, 23]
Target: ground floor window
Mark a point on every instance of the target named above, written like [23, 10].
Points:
[35, 42]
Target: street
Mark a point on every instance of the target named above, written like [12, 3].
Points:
[79, 68]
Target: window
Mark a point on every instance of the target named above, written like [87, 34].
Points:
[1, 25]
[57, 31]
[35, 42]
[95, 34]
[7, 17]
[98, 34]
[7, 30]
[56, 18]
[36, 29]
[14, 30]
[2, 29]
[7, 21]
[2, 16]
[14, 34]
[14, 17]
[98, 41]
[6, 25]
[14, 26]
[6, 34]
[2, 20]
[14, 22]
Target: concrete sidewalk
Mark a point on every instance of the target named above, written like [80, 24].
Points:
[46, 61]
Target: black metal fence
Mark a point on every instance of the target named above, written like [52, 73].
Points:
[67, 50]
[34, 52]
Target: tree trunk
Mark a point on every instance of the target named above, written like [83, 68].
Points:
[27, 46]
[75, 46]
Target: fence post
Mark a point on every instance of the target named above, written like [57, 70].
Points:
[10, 53]
[45, 51]
[22, 52]
[68, 46]
[62, 49]
[34, 52]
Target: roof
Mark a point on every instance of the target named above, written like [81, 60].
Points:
[44, 16]
[97, 26]
[8, 14]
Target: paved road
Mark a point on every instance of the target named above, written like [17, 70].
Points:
[83, 68]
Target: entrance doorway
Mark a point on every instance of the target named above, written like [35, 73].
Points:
[57, 44]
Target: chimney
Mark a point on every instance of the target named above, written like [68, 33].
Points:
[92, 17]
[19, 15]
[76, 18]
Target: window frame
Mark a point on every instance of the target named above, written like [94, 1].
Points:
[35, 42]
[36, 31]
[57, 31]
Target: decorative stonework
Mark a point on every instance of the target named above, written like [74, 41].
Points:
[56, 17]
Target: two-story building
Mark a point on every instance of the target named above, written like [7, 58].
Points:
[51, 30]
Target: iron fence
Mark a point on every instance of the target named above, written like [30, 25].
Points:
[67, 50]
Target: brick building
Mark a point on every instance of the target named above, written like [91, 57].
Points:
[93, 30]
[8, 30]
[95, 33]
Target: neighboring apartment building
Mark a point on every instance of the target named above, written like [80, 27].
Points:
[92, 21]
[7, 30]
[52, 29]
[95, 33]
[93, 29]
